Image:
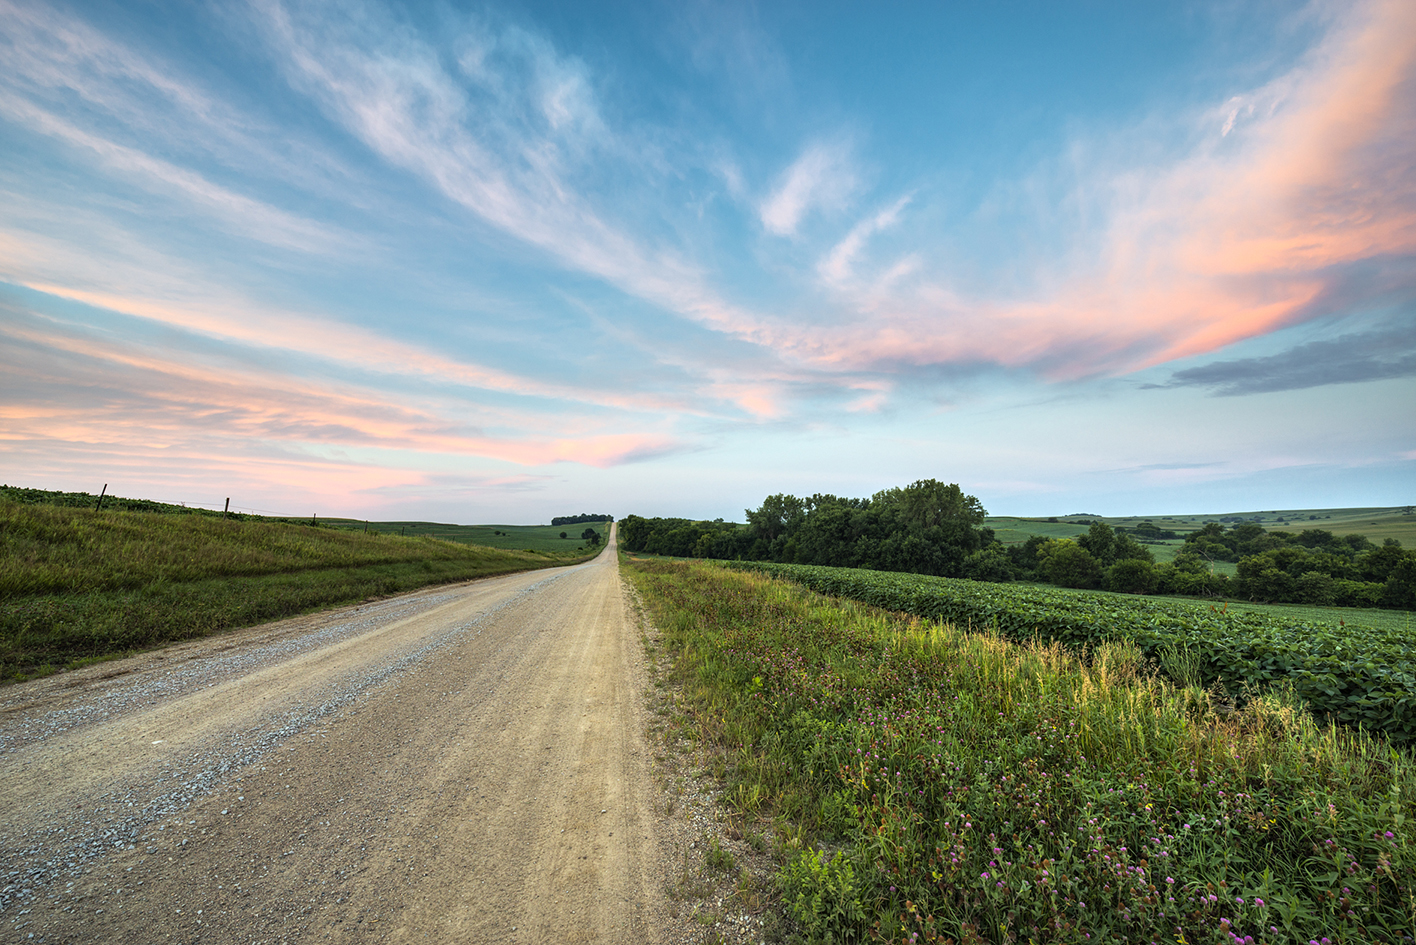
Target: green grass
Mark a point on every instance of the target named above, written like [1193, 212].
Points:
[510, 537]
[78, 585]
[930, 785]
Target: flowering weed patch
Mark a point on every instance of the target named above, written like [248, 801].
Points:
[931, 785]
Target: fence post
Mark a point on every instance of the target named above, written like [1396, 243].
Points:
[99, 506]
[226, 512]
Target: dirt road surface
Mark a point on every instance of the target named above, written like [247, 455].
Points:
[465, 764]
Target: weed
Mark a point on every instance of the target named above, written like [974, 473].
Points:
[718, 859]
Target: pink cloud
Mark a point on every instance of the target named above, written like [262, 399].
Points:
[144, 400]
[1307, 175]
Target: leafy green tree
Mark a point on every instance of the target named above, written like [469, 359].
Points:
[1400, 590]
[1067, 564]
[1100, 543]
[590, 535]
[1316, 587]
[989, 564]
[929, 502]
[1128, 549]
[779, 515]
[1131, 576]
[1377, 564]
[1189, 561]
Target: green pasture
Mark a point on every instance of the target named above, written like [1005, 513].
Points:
[508, 537]
[1375, 523]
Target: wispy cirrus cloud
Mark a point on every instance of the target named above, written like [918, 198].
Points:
[248, 217]
[836, 267]
[823, 177]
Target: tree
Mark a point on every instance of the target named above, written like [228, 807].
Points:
[989, 564]
[779, 515]
[1400, 591]
[929, 502]
[1188, 561]
[1067, 564]
[590, 535]
[1100, 543]
[1131, 576]
[563, 535]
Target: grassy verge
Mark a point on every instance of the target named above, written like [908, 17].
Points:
[78, 585]
[929, 785]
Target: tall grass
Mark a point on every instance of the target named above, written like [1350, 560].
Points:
[76, 585]
[932, 785]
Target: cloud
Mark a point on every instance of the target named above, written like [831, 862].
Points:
[250, 218]
[835, 268]
[822, 177]
[79, 384]
[493, 149]
[1289, 193]
[127, 105]
[1348, 359]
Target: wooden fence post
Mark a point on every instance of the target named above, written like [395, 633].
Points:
[226, 512]
[99, 506]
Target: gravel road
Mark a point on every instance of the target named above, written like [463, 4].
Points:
[464, 764]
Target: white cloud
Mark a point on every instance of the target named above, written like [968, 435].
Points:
[835, 268]
[821, 178]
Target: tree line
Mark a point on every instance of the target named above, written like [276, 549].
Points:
[932, 528]
[925, 528]
[581, 519]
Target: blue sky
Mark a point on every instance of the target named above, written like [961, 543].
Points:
[499, 262]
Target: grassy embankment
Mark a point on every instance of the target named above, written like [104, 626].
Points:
[928, 785]
[78, 585]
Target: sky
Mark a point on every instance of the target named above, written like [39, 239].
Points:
[498, 262]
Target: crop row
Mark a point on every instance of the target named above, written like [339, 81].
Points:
[1358, 675]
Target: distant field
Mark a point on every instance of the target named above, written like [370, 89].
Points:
[509, 537]
[1376, 523]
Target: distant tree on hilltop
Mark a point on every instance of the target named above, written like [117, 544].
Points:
[580, 519]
